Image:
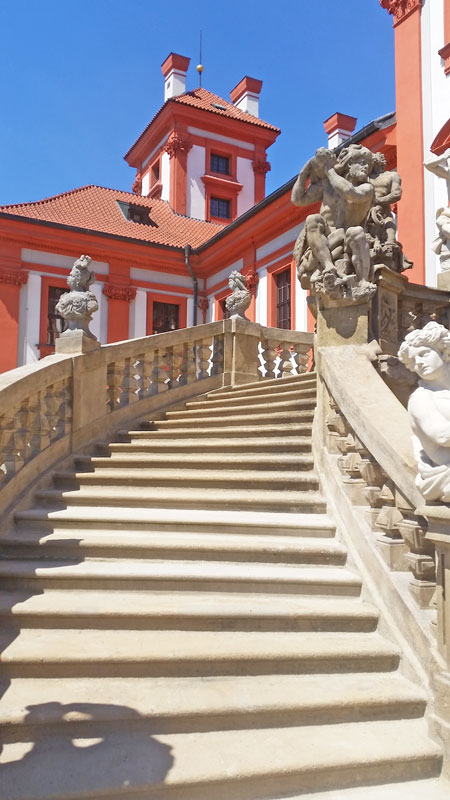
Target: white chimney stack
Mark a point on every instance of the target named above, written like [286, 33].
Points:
[174, 70]
[246, 95]
[339, 128]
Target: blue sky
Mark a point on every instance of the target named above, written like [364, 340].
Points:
[82, 79]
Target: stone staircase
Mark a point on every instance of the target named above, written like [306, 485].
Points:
[179, 621]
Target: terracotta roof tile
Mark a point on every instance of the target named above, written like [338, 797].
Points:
[201, 98]
[96, 208]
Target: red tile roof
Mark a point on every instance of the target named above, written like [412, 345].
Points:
[96, 208]
[201, 98]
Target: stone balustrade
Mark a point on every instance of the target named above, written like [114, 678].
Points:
[66, 401]
[363, 449]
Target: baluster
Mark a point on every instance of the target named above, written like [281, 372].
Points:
[271, 357]
[203, 356]
[303, 356]
[179, 364]
[191, 363]
[159, 373]
[421, 558]
[114, 380]
[217, 355]
[11, 448]
[286, 366]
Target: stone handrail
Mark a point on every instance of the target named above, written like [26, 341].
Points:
[64, 402]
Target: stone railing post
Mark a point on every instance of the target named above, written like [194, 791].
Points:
[244, 356]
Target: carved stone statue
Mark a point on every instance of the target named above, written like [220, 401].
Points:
[427, 352]
[338, 248]
[441, 245]
[381, 226]
[238, 302]
[332, 252]
[440, 166]
[78, 305]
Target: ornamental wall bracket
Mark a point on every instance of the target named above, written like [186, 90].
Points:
[400, 9]
[13, 277]
[251, 279]
[112, 292]
[176, 144]
[260, 167]
[137, 185]
[203, 304]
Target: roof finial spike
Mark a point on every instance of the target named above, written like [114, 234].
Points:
[200, 65]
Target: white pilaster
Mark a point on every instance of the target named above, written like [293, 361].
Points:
[29, 320]
[301, 321]
[261, 297]
[99, 324]
[138, 316]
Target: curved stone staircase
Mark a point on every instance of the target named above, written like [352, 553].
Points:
[179, 621]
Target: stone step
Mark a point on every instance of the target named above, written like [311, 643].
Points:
[242, 431]
[196, 478]
[225, 765]
[220, 703]
[267, 385]
[221, 611]
[185, 497]
[190, 419]
[266, 398]
[431, 789]
[165, 575]
[215, 408]
[195, 460]
[174, 545]
[77, 653]
[166, 519]
[160, 441]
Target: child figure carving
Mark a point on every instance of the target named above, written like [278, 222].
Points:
[427, 353]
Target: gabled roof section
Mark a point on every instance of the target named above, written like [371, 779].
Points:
[207, 101]
[96, 208]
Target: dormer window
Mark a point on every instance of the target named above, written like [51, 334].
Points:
[135, 213]
[220, 164]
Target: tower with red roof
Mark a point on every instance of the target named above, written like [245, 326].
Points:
[205, 155]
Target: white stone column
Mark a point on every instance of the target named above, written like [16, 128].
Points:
[29, 320]
[138, 315]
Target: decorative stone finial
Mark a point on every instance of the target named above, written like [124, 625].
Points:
[427, 353]
[78, 305]
[238, 302]
[355, 231]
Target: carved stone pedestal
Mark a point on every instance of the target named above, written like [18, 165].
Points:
[75, 343]
[443, 280]
[393, 552]
[339, 324]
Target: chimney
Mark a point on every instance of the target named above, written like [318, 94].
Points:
[339, 128]
[174, 70]
[246, 95]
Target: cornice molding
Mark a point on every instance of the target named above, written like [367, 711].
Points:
[400, 9]
[112, 292]
[13, 277]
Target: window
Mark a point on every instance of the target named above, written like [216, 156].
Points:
[135, 213]
[55, 323]
[283, 284]
[155, 172]
[220, 164]
[165, 317]
[219, 208]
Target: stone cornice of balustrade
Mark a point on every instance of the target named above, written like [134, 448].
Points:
[113, 292]
[400, 9]
[13, 277]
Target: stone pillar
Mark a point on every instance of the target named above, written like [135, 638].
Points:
[244, 361]
[339, 324]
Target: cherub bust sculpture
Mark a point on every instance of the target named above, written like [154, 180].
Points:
[427, 352]
[238, 302]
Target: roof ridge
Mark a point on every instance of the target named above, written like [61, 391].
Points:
[53, 196]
